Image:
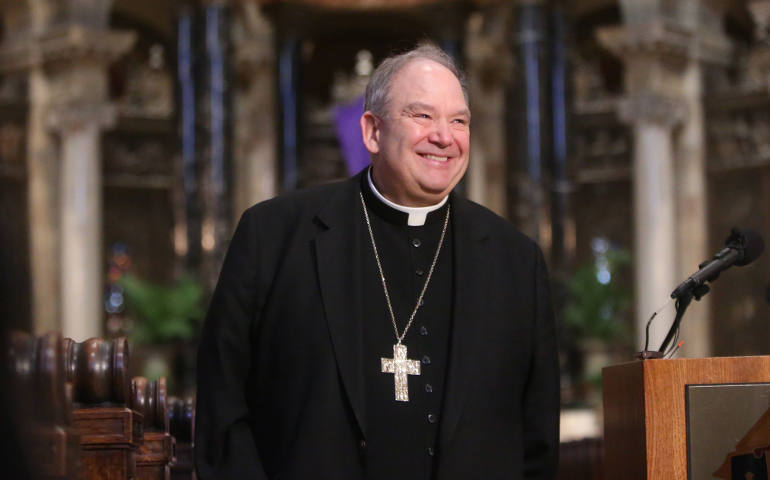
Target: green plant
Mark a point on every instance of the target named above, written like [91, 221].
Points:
[163, 314]
[597, 300]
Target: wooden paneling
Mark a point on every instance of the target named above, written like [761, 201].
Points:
[645, 425]
[624, 419]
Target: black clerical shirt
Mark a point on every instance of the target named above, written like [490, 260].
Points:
[401, 437]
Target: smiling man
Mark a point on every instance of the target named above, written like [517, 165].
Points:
[383, 327]
[419, 134]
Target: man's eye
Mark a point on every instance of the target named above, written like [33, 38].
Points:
[460, 121]
[421, 115]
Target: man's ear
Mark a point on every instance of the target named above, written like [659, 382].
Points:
[370, 131]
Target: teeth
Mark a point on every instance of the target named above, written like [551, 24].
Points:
[436, 158]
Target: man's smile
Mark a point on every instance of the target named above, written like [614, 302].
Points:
[436, 158]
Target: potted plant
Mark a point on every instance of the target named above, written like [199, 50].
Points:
[165, 319]
[595, 317]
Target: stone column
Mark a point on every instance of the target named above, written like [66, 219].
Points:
[42, 166]
[692, 206]
[66, 48]
[709, 45]
[255, 175]
[663, 49]
[654, 57]
[80, 113]
[653, 118]
[489, 72]
[43, 208]
[80, 201]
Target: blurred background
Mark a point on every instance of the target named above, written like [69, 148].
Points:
[627, 137]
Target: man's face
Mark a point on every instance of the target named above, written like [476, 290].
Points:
[420, 149]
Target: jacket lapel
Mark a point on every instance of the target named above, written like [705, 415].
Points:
[469, 312]
[338, 259]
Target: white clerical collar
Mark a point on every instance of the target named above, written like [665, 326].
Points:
[417, 215]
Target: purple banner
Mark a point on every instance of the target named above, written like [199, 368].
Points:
[347, 122]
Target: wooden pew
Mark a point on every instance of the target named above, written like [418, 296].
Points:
[181, 413]
[156, 453]
[44, 404]
[110, 430]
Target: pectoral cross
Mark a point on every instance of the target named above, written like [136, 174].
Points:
[400, 366]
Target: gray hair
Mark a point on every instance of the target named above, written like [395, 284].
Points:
[377, 90]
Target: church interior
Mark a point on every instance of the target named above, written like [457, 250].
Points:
[626, 137]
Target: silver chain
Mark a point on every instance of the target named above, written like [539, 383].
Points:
[382, 274]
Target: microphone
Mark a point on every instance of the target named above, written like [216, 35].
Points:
[742, 247]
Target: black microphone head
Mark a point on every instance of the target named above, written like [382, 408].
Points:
[748, 241]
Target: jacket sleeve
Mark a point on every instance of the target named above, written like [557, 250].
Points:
[541, 397]
[224, 445]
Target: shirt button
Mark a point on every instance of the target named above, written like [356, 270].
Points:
[416, 242]
[423, 330]
[431, 452]
[362, 444]
[431, 418]
[422, 302]
[419, 272]
[429, 388]
[426, 360]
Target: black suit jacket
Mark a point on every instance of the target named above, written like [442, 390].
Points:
[280, 364]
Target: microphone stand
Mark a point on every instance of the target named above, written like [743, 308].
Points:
[741, 248]
[683, 300]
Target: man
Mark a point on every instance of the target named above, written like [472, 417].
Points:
[382, 327]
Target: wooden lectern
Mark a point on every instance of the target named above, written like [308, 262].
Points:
[645, 418]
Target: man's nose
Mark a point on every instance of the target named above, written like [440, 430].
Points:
[441, 135]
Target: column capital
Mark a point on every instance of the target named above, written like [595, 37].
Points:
[66, 118]
[253, 44]
[651, 108]
[713, 47]
[43, 13]
[760, 13]
[758, 64]
[656, 39]
[63, 46]
[671, 42]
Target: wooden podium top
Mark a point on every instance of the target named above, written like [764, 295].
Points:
[645, 424]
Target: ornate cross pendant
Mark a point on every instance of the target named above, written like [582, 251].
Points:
[400, 366]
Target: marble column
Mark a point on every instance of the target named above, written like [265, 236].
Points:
[80, 112]
[692, 209]
[709, 46]
[255, 173]
[65, 48]
[654, 57]
[42, 167]
[82, 277]
[488, 72]
[664, 50]
[43, 208]
[653, 118]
